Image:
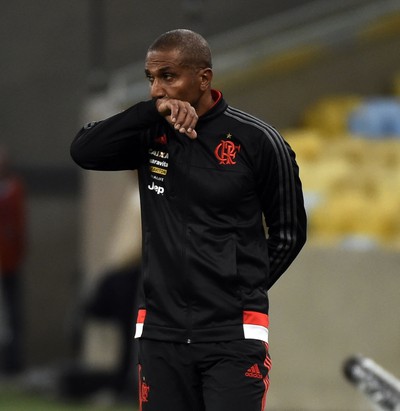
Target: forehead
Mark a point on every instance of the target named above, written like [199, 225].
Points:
[159, 60]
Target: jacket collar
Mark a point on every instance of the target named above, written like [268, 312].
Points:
[219, 107]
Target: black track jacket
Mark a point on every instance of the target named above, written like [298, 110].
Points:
[207, 264]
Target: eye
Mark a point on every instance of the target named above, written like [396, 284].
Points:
[150, 79]
[168, 77]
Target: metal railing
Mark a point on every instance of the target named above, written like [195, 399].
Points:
[322, 22]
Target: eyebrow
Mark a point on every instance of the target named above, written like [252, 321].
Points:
[160, 70]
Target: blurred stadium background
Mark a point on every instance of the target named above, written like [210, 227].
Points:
[327, 74]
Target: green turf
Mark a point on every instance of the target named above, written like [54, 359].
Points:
[17, 400]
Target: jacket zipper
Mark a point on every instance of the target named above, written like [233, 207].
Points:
[188, 284]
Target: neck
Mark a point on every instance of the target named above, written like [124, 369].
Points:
[204, 103]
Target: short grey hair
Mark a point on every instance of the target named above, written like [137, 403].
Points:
[193, 48]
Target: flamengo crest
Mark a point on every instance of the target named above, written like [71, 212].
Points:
[226, 151]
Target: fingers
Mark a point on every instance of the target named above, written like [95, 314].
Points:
[181, 115]
[184, 117]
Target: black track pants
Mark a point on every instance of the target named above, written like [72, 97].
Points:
[216, 376]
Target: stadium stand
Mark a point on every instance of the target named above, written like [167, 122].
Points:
[349, 155]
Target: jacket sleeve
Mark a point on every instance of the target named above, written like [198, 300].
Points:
[282, 202]
[115, 143]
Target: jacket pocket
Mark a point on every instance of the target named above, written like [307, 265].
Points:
[214, 282]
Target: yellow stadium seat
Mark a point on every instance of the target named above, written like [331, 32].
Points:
[330, 114]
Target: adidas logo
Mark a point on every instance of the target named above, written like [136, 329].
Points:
[254, 372]
[161, 140]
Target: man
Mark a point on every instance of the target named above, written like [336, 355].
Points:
[207, 175]
[12, 253]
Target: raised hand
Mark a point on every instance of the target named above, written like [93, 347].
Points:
[180, 114]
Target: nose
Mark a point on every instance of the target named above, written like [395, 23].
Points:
[156, 90]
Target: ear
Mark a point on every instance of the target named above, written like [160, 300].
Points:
[206, 76]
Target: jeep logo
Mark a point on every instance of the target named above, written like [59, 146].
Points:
[156, 188]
